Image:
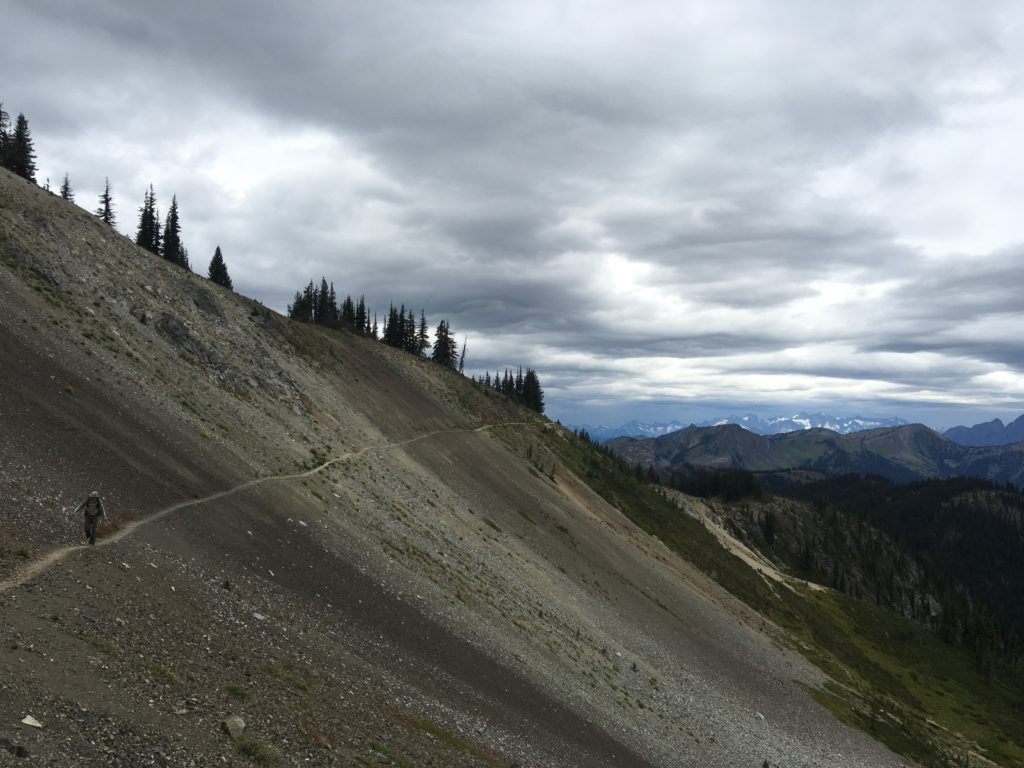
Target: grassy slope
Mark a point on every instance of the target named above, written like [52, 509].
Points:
[891, 677]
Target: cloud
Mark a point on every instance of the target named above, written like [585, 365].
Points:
[679, 207]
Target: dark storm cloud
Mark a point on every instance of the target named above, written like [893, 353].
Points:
[722, 202]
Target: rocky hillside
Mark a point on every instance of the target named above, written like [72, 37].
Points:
[903, 453]
[359, 554]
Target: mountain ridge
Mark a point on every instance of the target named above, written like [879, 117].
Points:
[752, 423]
[988, 433]
[902, 453]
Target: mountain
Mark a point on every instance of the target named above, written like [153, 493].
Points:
[365, 556]
[989, 433]
[902, 453]
[775, 425]
[602, 432]
[768, 426]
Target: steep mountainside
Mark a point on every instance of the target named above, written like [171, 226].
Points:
[899, 453]
[367, 558]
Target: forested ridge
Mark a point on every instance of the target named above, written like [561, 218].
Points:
[946, 553]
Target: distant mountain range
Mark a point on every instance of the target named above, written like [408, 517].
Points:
[902, 453]
[990, 433]
[772, 425]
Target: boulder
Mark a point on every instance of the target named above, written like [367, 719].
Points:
[233, 726]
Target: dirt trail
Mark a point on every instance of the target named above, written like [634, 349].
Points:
[53, 557]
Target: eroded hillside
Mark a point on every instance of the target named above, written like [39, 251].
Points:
[367, 558]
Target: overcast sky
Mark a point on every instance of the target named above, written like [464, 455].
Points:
[671, 210]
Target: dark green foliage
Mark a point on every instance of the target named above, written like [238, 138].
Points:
[445, 347]
[16, 147]
[218, 271]
[522, 388]
[172, 248]
[148, 233]
[728, 484]
[5, 126]
[66, 191]
[533, 394]
[361, 320]
[106, 207]
[956, 545]
[423, 335]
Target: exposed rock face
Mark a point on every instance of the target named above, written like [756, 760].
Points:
[233, 726]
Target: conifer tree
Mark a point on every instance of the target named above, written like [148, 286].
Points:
[172, 248]
[332, 306]
[106, 209]
[445, 347]
[462, 356]
[66, 191]
[148, 233]
[20, 153]
[533, 394]
[5, 138]
[348, 313]
[218, 271]
[362, 326]
[374, 331]
[423, 337]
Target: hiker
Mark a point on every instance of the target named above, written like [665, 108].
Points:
[94, 510]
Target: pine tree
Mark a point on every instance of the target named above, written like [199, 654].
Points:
[172, 248]
[218, 271]
[304, 305]
[462, 356]
[66, 191]
[412, 344]
[348, 313]
[362, 322]
[106, 209]
[148, 234]
[21, 155]
[423, 337]
[533, 394]
[445, 347]
[5, 137]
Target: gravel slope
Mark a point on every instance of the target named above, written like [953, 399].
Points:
[430, 598]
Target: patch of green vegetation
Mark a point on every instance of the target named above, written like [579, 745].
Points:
[99, 644]
[257, 751]
[163, 673]
[288, 677]
[69, 390]
[24, 552]
[452, 740]
[238, 692]
[891, 676]
[492, 524]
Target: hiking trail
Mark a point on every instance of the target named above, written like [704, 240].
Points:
[55, 556]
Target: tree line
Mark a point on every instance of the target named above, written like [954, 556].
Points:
[401, 329]
[314, 304]
[17, 154]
